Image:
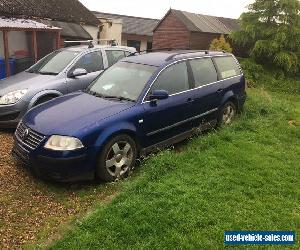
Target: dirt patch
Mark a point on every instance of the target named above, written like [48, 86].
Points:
[32, 210]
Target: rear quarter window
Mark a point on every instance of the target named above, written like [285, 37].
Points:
[227, 66]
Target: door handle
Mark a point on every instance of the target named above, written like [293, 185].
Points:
[220, 90]
[189, 100]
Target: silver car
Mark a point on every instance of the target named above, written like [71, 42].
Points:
[61, 72]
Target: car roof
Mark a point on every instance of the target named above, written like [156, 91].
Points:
[83, 48]
[162, 57]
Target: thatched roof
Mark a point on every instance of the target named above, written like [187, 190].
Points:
[60, 10]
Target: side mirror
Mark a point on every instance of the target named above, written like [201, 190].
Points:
[159, 95]
[77, 72]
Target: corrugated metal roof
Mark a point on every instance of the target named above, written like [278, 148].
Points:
[20, 23]
[71, 11]
[204, 23]
[132, 25]
[71, 30]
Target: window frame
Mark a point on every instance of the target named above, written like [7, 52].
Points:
[79, 57]
[218, 70]
[189, 75]
[106, 50]
[192, 73]
[145, 95]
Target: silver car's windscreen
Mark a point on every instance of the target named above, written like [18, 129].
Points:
[54, 63]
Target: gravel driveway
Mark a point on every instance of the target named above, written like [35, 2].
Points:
[31, 210]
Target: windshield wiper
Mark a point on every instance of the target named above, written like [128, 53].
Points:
[47, 73]
[31, 71]
[94, 93]
[121, 98]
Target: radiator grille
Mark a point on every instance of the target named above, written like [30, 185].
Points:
[27, 137]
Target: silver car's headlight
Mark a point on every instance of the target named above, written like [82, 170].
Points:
[63, 143]
[12, 97]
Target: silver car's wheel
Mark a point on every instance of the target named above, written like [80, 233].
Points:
[117, 158]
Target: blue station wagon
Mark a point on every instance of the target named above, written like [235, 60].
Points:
[136, 106]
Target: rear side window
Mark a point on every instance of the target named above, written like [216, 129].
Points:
[204, 71]
[227, 66]
[91, 62]
[173, 79]
[114, 56]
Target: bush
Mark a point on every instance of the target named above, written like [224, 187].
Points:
[269, 77]
[220, 45]
[271, 31]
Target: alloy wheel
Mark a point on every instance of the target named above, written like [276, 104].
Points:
[228, 114]
[119, 158]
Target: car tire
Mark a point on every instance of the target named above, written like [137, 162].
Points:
[227, 114]
[117, 158]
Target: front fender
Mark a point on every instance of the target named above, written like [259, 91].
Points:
[106, 134]
[42, 94]
[118, 128]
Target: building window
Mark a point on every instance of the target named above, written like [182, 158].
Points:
[135, 44]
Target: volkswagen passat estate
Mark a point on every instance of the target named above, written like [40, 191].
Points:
[61, 72]
[138, 105]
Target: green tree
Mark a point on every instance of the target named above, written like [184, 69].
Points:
[220, 44]
[271, 31]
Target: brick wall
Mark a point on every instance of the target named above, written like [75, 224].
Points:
[171, 33]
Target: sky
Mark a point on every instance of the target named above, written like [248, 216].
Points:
[158, 8]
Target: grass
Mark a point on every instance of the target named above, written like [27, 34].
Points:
[242, 177]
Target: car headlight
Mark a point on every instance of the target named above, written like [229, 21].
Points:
[12, 97]
[63, 143]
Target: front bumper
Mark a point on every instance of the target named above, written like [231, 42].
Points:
[62, 167]
[10, 115]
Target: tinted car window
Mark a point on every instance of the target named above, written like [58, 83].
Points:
[91, 62]
[114, 56]
[174, 79]
[204, 71]
[227, 66]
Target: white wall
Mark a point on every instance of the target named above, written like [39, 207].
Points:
[92, 30]
[16, 41]
[111, 30]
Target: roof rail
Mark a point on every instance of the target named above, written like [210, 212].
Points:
[182, 53]
[206, 52]
[88, 42]
[156, 50]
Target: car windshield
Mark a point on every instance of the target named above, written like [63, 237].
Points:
[122, 81]
[53, 63]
